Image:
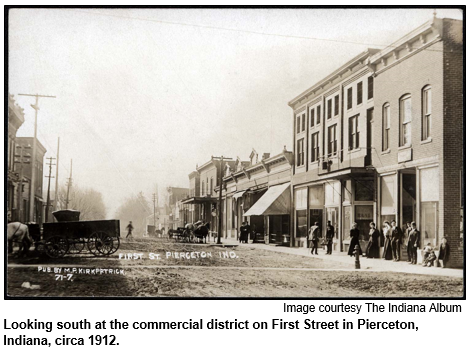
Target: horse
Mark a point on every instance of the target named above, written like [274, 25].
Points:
[19, 233]
[202, 231]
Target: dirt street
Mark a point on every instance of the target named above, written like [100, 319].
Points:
[205, 271]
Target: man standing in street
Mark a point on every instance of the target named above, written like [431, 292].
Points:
[397, 237]
[413, 243]
[314, 233]
[130, 230]
[329, 237]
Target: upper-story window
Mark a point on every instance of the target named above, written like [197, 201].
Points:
[207, 187]
[318, 115]
[386, 127]
[211, 185]
[337, 105]
[332, 140]
[405, 120]
[359, 93]
[303, 122]
[426, 112]
[202, 188]
[353, 133]
[349, 101]
[329, 108]
[370, 88]
[315, 147]
[300, 153]
[312, 117]
[298, 124]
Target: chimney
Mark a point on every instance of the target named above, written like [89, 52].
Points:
[265, 156]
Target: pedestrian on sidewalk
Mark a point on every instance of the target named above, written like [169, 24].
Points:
[372, 250]
[354, 235]
[244, 229]
[313, 237]
[444, 253]
[329, 237]
[387, 248]
[413, 243]
[429, 255]
[406, 238]
[130, 228]
[397, 237]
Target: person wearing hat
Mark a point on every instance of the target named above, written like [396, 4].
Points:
[313, 237]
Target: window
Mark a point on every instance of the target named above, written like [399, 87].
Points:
[315, 147]
[329, 108]
[312, 117]
[386, 127]
[318, 115]
[332, 140]
[298, 124]
[300, 154]
[359, 93]
[202, 189]
[349, 102]
[370, 88]
[353, 133]
[426, 112]
[303, 122]
[337, 105]
[405, 121]
[211, 185]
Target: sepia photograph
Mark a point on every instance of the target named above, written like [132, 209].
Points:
[234, 153]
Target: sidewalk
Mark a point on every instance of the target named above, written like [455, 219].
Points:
[366, 264]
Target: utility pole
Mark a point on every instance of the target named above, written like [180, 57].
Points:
[21, 161]
[32, 188]
[220, 212]
[56, 176]
[70, 181]
[47, 206]
[154, 200]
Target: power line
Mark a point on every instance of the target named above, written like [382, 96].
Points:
[248, 31]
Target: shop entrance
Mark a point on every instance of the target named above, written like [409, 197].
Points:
[315, 215]
[408, 199]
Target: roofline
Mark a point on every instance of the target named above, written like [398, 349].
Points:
[362, 56]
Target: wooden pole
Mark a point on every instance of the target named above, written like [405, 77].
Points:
[219, 214]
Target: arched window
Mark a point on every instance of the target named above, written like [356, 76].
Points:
[386, 126]
[405, 120]
[426, 112]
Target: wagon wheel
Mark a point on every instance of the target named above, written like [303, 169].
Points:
[56, 247]
[76, 246]
[116, 245]
[99, 243]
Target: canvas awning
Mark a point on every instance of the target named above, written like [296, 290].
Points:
[276, 201]
[238, 194]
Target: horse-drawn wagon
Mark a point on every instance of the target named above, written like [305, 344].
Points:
[71, 236]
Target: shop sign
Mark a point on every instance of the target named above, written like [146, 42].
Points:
[364, 212]
[405, 155]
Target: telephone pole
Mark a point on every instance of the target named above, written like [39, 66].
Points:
[24, 158]
[34, 152]
[220, 212]
[56, 176]
[70, 181]
[154, 200]
[48, 189]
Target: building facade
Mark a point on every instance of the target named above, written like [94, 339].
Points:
[258, 191]
[15, 120]
[381, 139]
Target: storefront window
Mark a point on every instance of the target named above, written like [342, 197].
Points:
[429, 188]
[332, 216]
[316, 197]
[332, 193]
[388, 194]
[301, 223]
[346, 223]
[364, 216]
[364, 190]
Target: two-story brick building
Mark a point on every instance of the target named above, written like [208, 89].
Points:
[418, 131]
[332, 178]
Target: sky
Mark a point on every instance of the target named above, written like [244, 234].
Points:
[144, 95]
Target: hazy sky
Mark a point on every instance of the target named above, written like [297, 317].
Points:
[145, 95]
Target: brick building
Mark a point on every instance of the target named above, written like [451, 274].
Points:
[381, 138]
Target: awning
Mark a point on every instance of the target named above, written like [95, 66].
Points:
[238, 194]
[276, 201]
[199, 200]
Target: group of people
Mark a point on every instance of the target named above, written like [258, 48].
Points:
[393, 240]
[244, 230]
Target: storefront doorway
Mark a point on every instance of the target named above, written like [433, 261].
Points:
[408, 198]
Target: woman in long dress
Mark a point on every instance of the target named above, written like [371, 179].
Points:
[354, 234]
[387, 248]
[373, 245]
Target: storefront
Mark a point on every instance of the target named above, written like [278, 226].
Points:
[270, 215]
